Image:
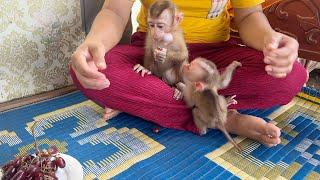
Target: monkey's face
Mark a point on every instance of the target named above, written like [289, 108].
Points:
[160, 25]
[193, 72]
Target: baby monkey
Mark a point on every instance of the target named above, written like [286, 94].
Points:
[202, 82]
[165, 47]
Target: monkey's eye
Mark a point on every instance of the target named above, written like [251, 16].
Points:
[151, 25]
[160, 26]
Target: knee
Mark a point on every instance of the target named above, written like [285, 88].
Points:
[292, 84]
[122, 55]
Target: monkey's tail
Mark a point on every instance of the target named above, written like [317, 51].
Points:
[225, 132]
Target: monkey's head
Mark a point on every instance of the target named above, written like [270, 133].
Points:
[202, 73]
[163, 17]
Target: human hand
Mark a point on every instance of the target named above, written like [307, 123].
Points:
[280, 52]
[86, 61]
[160, 54]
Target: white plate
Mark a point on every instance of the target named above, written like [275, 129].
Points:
[72, 170]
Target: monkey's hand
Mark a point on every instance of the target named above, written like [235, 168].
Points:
[178, 92]
[177, 95]
[139, 68]
[230, 100]
[160, 54]
[235, 64]
[181, 86]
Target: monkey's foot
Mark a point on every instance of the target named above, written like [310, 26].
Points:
[271, 135]
[177, 95]
[230, 100]
[110, 113]
[236, 64]
[138, 68]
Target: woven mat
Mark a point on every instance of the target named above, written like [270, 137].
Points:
[126, 147]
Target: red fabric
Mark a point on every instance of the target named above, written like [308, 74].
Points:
[150, 98]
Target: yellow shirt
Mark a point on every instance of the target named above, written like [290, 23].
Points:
[205, 21]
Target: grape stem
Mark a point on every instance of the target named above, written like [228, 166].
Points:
[34, 137]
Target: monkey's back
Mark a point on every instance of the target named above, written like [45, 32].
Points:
[213, 108]
[170, 70]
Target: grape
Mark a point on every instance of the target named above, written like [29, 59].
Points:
[50, 177]
[6, 166]
[36, 175]
[20, 175]
[36, 162]
[10, 172]
[50, 166]
[60, 162]
[53, 150]
[53, 175]
[29, 158]
[32, 169]
[41, 166]
[17, 162]
[156, 130]
[39, 176]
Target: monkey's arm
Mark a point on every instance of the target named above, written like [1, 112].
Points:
[178, 51]
[227, 74]
[148, 56]
[179, 91]
[188, 93]
[181, 86]
[178, 54]
[200, 123]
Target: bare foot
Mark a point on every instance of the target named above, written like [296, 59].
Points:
[110, 113]
[271, 136]
[253, 127]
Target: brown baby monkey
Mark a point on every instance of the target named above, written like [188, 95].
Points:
[202, 82]
[165, 47]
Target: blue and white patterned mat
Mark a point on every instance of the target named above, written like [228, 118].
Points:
[126, 147]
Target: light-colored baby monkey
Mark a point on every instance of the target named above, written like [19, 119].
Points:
[202, 82]
[165, 47]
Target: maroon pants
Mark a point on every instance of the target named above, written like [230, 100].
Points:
[150, 98]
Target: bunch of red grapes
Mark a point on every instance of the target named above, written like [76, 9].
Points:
[40, 166]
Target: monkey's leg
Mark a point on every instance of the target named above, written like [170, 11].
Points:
[170, 77]
[197, 118]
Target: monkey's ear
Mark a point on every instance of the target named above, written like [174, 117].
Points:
[179, 17]
[199, 86]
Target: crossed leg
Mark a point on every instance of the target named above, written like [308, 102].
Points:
[151, 99]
